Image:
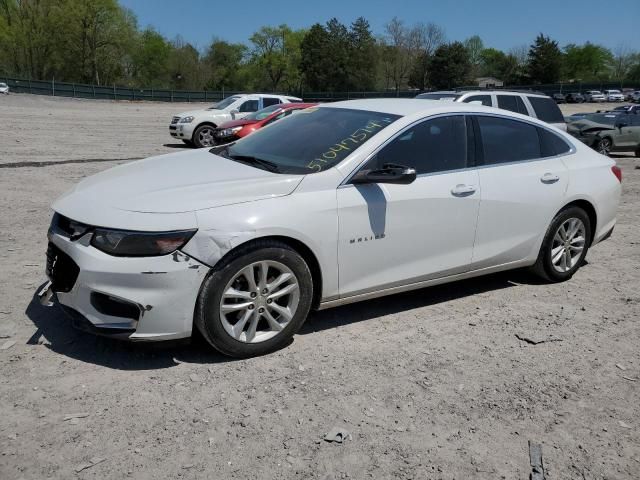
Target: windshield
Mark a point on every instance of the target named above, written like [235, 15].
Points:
[311, 141]
[222, 104]
[439, 96]
[264, 113]
[606, 119]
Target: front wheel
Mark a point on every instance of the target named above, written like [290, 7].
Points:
[204, 136]
[604, 146]
[565, 245]
[256, 300]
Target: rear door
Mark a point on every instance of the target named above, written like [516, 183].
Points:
[627, 131]
[523, 182]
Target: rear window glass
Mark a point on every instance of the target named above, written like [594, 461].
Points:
[268, 101]
[546, 109]
[551, 144]
[505, 140]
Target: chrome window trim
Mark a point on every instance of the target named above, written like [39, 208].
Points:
[572, 148]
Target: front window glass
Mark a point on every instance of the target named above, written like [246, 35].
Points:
[311, 141]
[437, 145]
[222, 104]
[249, 106]
[484, 99]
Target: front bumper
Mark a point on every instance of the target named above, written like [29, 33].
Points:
[183, 131]
[142, 298]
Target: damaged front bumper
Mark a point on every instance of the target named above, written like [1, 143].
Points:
[137, 298]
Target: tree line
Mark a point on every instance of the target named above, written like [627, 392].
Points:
[99, 42]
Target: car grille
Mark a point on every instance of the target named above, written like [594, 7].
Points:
[175, 120]
[61, 269]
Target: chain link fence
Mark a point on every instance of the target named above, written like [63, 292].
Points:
[79, 90]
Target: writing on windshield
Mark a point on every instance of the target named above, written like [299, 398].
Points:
[338, 151]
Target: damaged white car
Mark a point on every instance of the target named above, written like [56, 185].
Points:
[340, 203]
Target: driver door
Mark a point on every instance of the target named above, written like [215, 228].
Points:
[391, 235]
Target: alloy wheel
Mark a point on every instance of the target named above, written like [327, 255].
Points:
[259, 301]
[568, 244]
[205, 137]
[604, 146]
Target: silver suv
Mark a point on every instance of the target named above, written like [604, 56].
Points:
[533, 104]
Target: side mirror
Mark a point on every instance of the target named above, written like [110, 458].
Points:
[389, 173]
[234, 112]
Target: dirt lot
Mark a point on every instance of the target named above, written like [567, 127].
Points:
[430, 384]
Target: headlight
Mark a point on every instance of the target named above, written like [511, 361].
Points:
[186, 120]
[125, 243]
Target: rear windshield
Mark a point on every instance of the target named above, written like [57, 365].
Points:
[546, 109]
[601, 118]
[439, 96]
[311, 141]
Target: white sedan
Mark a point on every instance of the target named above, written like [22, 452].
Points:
[340, 203]
[4, 88]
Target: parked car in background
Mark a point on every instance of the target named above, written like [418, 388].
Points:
[559, 97]
[614, 96]
[627, 92]
[594, 96]
[337, 204]
[635, 109]
[608, 132]
[575, 97]
[197, 127]
[236, 129]
[635, 96]
[533, 104]
[4, 88]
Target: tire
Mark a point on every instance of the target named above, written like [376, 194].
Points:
[203, 136]
[187, 142]
[554, 245]
[224, 328]
[604, 146]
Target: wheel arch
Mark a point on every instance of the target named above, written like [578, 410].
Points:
[206, 122]
[591, 212]
[300, 247]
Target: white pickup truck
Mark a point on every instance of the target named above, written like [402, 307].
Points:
[197, 127]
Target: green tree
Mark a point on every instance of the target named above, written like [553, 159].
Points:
[450, 66]
[316, 62]
[545, 60]
[363, 58]
[587, 62]
[225, 65]
[151, 60]
[474, 46]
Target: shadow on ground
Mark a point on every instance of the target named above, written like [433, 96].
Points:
[177, 145]
[54, 328]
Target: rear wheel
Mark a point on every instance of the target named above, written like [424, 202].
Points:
[203, 136]
[256, 300]
[565, 245]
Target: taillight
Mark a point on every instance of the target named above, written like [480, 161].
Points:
[617, 171]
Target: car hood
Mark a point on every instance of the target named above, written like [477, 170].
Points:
[237, 123]
[588, 126]
[177, 183]
[201, 113]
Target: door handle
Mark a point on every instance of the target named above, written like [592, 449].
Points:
[549, 178]
[462, 190]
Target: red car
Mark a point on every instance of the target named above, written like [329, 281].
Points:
[236, 129]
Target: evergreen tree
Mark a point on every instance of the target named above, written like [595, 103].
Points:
[544, 61]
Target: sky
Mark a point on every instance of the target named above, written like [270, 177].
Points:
[501, 24]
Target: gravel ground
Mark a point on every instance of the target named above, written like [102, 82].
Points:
[430, 384]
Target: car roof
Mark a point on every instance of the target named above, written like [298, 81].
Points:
[410, 106]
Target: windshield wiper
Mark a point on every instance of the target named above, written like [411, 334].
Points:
[266, 164]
